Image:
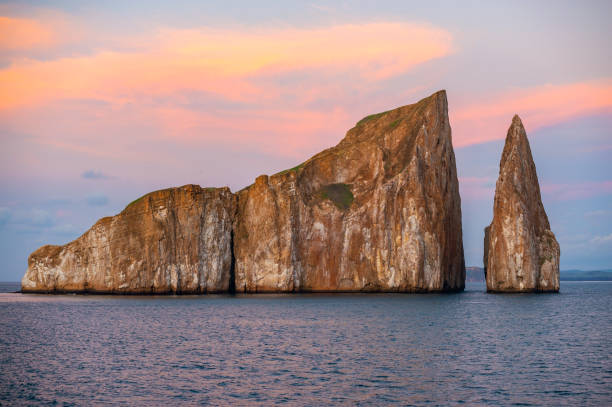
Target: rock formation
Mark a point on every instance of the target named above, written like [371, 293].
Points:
[521, 253]
[378, 212]
[177, 240]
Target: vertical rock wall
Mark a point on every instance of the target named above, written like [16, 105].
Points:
[521, 253]
[379, 212]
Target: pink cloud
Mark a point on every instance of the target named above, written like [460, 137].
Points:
[24, 33]
[276, 131]
[478, 188]
[144, 93]
[43, 32]
[489, 118]
[583, 190]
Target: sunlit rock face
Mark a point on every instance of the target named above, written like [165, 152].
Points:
[378, 212]
[176, 240]
[521, 253]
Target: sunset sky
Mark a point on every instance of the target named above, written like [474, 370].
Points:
[102, 102]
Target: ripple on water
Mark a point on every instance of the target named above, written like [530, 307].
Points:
[469, 348]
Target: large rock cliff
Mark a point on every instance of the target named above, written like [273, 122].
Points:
[378, 212]
[521, 253]
[176, 240]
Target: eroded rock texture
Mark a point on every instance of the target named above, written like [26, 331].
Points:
[521, 253]
[177, 240]
[378, 212]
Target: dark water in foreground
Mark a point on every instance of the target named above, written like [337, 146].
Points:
[470, 348]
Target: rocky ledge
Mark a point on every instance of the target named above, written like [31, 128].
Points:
[378, 212]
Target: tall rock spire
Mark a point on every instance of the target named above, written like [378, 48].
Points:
[521, 253]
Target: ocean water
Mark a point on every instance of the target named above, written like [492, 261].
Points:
[443, 349]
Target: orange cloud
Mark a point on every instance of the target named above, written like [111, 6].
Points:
[540, 106]
[222, 62]
[109, 76]
[22, 33]
[378, 50]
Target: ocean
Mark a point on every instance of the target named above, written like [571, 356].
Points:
[467, 348]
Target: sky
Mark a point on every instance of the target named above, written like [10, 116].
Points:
[102, 102]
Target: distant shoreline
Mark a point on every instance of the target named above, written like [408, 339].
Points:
[476, 274]
[14, 287]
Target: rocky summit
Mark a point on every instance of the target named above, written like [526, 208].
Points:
[378, 212]
[521, 253]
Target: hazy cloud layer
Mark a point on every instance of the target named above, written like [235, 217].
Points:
[91, 174]
[97, 200]
[5, 214]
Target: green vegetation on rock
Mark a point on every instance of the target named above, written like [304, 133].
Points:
[296, 168]
[245, 188]
[135, 201]
[394, 124]
[339, 194]
[145, 195]
[371, 117]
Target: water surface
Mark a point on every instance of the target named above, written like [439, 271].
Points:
[473, 348]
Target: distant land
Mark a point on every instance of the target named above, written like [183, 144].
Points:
[579, 275]
[476, 275]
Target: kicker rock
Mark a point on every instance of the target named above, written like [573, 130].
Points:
[521, 253]
[378, 212]
[177, 240]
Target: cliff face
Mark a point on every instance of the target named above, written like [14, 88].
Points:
[176, 240]
[378, 212]
[521, 253]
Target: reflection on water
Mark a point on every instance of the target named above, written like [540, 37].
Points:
[369, 349]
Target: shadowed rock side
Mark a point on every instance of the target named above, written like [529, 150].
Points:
[378, 212]
[521, 253]
[177, 240]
